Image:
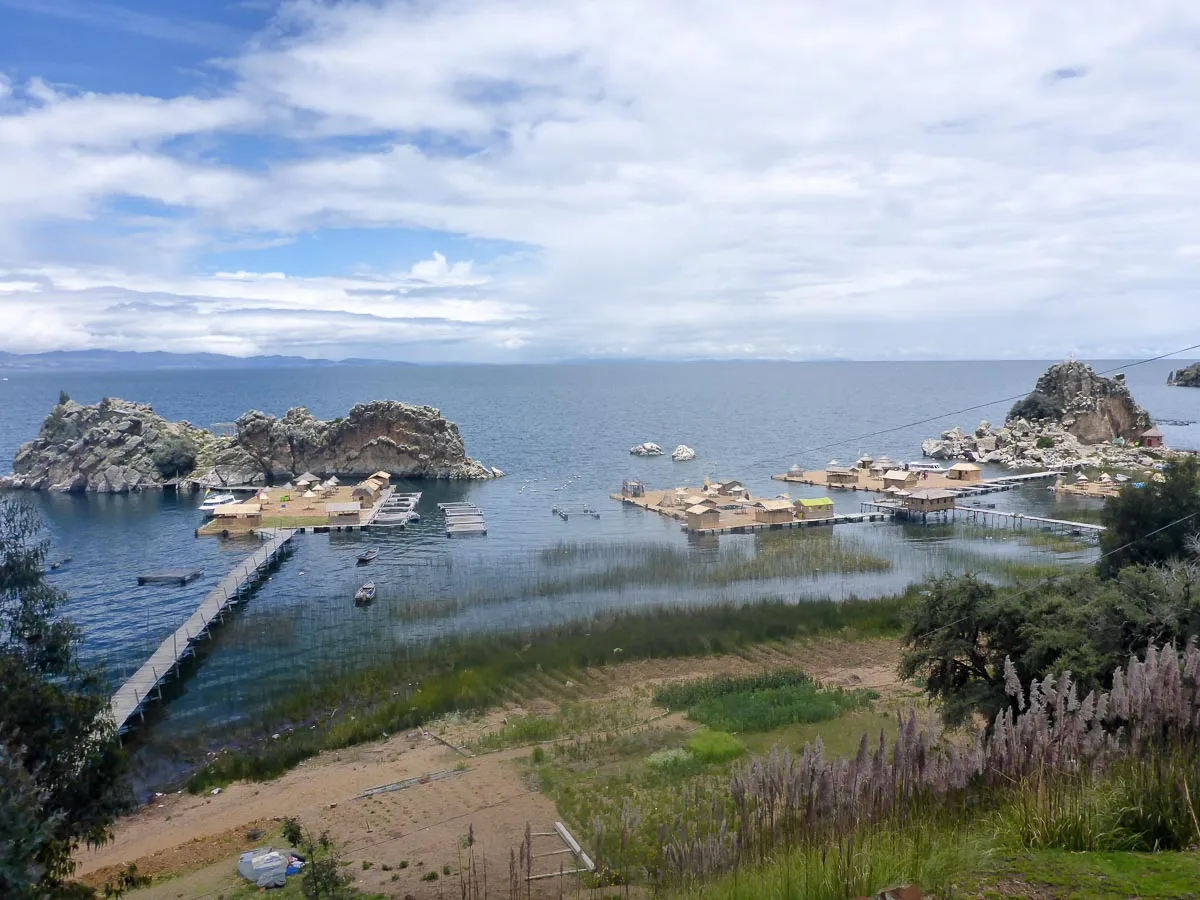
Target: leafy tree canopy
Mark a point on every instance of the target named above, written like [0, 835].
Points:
[1153, 523]
[62, 772]
[1036, 406]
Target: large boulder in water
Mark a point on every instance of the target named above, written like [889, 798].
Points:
[1091, 407]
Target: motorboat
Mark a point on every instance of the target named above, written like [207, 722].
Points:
[212, 501]
[365, 594]
[366, 556]
[921, 466]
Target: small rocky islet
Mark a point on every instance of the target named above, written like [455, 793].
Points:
[1186, 377]
[117, 446]
[1072, 418]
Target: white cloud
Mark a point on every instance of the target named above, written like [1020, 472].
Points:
[691, 178]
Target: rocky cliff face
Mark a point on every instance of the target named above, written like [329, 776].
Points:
[1189, 377]
[1094, 408]
[384, 435]
[112, 447]
[117, 446]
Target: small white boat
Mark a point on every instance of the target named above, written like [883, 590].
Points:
[212, 501]
[365, 594]
[921, 466]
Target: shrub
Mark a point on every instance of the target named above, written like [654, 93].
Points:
[1044, 442]
[175, 455]
[675, 761]
[689, 693]
[431, 875]
[715, 746]
[1036, 406]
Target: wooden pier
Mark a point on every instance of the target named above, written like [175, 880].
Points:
[1020, 520]
[146, 683]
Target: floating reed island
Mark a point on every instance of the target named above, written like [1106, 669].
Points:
[308, 503]
[884, 476]
[728, 507]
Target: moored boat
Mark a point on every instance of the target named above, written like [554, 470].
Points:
[367, 555]
[212, 501]
[365, 594]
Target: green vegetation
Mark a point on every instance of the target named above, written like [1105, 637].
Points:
[714, 747]
[963, 629]
[765, 710]
[760, 702]
[62, 772]
[473, 673]
[1154, 523]
[1034, 407]
[1044, 443]
[324, 876]
[572, 718]
[175, 455]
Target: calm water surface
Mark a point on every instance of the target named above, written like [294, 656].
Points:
[562, 434]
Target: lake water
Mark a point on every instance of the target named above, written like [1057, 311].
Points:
[562, 434]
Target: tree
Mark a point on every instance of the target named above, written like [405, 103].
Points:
[1036, 406]
[62, 771]
[1151, 524]
[323, 877]
[63, 398]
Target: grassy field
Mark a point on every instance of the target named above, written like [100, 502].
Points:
[473, 673]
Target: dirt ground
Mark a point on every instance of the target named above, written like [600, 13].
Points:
[191, 843]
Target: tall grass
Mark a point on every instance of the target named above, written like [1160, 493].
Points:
[1142, 739]
[472, 673]
[856, 864]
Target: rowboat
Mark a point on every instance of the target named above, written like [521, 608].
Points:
[365, 594]
[366, 556]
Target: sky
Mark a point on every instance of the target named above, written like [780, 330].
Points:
[525, 181]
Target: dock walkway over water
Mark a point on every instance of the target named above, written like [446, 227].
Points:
[146, 683]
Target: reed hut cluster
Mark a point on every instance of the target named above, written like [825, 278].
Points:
[883, 474]
[309, 501]
[723, 504]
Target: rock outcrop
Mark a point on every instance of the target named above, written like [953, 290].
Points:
[114, 446]
[1073, 418]
[1189, 377]
[1038, 445]
[1091, 407]
[117, 446]
[412, 441]
[647, 449]
[683, 453]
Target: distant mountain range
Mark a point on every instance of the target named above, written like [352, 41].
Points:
[130, 361]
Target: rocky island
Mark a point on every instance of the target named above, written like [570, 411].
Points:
[1072, 418]
[1187, 377]
[116, 446]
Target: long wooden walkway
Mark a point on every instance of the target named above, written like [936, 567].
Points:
[1018, 520]
[130, 699]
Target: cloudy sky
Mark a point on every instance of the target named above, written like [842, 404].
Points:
[484, 180]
